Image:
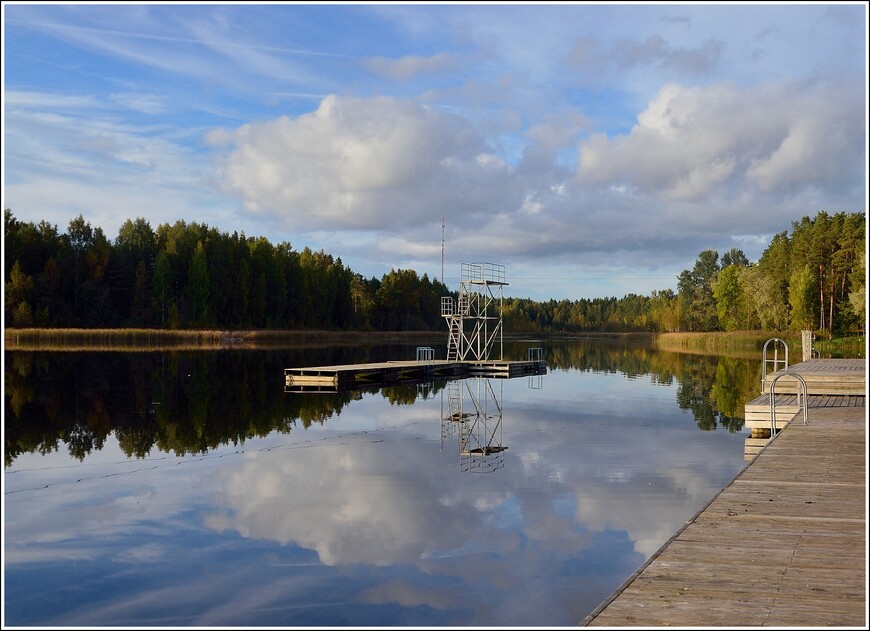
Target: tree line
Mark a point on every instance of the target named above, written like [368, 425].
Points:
[190, 275]
[813, 278]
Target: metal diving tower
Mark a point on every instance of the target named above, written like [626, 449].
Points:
[474, 318]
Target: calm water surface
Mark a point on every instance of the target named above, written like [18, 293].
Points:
[188, 489]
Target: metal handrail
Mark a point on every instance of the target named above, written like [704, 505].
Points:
[803, 389]
[775, 361]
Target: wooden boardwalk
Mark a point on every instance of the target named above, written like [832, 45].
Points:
[783, 545]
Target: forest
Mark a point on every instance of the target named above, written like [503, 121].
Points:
[192, 276]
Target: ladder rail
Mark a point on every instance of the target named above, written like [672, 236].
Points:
[776, 362]
[802, 390]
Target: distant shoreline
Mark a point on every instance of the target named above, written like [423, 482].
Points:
[194, 339]
[715, 342]
[76, 339]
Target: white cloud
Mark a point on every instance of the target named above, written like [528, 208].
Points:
[140, 102]
[725, 141]
[16, 99]
[79, 162]
[410, 66]
[360, 164]
[697, 166]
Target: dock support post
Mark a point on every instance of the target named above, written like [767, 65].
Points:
[807, 345]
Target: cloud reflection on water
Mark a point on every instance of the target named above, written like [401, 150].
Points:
[400, 532]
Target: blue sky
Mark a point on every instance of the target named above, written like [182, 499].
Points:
[592, 149]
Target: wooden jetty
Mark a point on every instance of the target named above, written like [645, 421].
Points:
[829, 382]
[757, 411]
[784, 544]
[351, 376]
[823, 376]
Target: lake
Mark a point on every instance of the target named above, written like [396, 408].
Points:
[189, 489]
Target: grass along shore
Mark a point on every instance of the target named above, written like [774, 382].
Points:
[747, 343]
[185, 339]
[716, 343]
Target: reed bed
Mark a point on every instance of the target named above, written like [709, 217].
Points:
[183, 339]
[743, 343]
[751, 343]
[854, 346]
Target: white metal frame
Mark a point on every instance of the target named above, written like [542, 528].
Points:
[480, 304]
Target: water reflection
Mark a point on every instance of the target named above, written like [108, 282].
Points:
[474, 416]
[193, 403]
[197, 493]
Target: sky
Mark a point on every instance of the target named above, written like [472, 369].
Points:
[593, 150]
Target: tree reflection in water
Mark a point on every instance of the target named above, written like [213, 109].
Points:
[339, 509]
[194, 402]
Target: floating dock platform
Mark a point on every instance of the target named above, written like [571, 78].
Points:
[356, 376]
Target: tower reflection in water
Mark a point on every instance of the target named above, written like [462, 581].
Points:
[471, 412]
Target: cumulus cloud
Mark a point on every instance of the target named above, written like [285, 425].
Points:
[513, 122]
[700, 164]
[691, 143]
[361, 164]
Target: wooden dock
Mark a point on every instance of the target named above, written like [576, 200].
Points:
[784, 544]
[352, 376]
[757, 411]
[830, 383]
[823, 376]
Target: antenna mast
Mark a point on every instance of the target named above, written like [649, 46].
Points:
[442, 251]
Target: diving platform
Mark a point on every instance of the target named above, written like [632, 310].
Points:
[475, 333]
[357, 376]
